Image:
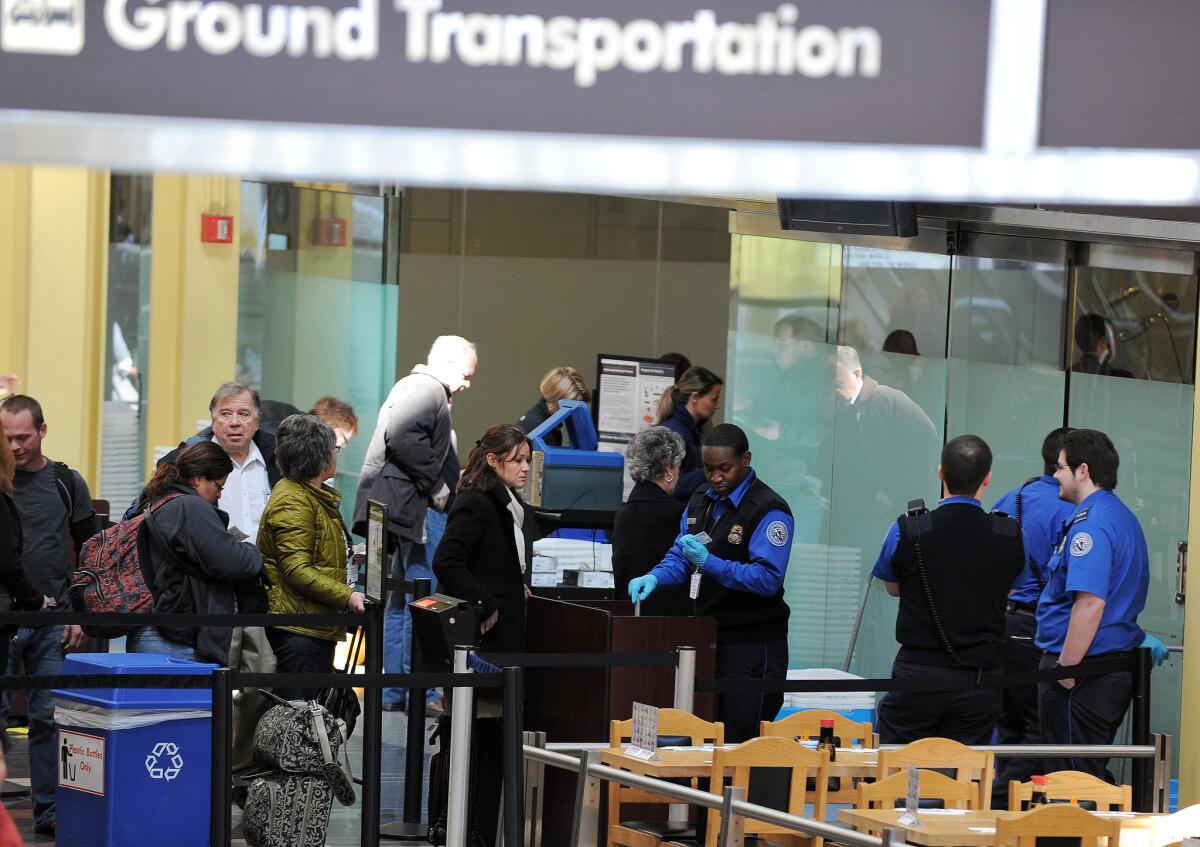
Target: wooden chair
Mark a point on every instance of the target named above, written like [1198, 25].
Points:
[969, 766]
[1058, 819]
[671, 722]
[933, 786]
[781, 753]
[1067, 785]
[808, 723]
[1176, 827]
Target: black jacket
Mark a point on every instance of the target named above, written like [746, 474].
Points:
[477, 561]
[12, 575]
[691, 470]
[197, 533]
[643, 531]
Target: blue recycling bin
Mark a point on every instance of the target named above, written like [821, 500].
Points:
[134, 764]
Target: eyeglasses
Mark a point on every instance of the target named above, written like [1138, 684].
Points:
[220, 485]
[337, 448]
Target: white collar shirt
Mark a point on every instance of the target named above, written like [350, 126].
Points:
[246, 492]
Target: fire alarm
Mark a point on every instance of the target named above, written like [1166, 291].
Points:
[216, 229]
[329, 232]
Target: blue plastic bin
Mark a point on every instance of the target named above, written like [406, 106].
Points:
[134, 764]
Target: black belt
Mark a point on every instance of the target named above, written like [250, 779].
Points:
[1111, 654]
[1015, 608]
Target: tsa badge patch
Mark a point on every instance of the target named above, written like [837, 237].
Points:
[777, 533]
[735, 534]
[1081, 544]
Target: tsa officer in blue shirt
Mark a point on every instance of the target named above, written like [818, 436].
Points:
[1041, 515]
[1096, 587]
[952, 569]
[736, 577]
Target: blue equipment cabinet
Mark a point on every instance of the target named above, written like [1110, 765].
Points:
[578, 477]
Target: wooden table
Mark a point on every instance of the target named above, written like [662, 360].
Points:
[689, 762]
[972, 828]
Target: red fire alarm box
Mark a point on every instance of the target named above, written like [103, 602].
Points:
[216, 229]
[329, 232]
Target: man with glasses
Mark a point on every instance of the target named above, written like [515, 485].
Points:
[1096, 584]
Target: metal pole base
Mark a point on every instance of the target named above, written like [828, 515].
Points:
[401, 831]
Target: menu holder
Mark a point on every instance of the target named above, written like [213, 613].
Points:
[644, 738]
[912, 799]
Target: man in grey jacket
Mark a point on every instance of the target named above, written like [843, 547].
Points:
[403, 470]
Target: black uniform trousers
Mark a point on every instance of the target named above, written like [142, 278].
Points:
[1089, 713]
[742, 711]
[967, 716]
[1018, 722]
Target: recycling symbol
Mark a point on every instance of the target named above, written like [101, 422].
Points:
[165, 762]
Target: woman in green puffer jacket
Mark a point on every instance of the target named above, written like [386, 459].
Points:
[304, 546]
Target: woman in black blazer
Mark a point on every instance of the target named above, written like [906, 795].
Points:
[484, 558]
[648, 524]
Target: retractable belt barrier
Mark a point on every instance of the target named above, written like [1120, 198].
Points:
[251, 680]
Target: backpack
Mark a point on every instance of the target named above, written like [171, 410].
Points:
[113, 573]
[305, 749]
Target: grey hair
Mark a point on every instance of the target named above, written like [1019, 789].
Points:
[848, 357]
[233, 389]
[303, 446]
[449, 348]
[651, 452]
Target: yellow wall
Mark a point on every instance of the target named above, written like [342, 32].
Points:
[193, 306]
[53, 281]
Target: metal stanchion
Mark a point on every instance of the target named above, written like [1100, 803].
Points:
[1142, 769]
[414, 751]
[372, 729]
[685, 679]
[586, 828]
[461, 719]
[733, 827]
[514, 756]
[534, 777]
[221, 822]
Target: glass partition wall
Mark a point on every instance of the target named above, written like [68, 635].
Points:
[849, 366]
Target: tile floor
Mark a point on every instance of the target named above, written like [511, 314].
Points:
[344, 829]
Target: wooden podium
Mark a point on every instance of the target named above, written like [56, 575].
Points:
[576, 704]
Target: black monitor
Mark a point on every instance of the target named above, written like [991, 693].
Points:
[849, 217]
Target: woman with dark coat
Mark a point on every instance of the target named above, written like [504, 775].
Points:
[685, 408]
[648, 524]
[484, 558]
[196, 566]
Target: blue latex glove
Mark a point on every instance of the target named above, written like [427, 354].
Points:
[641, 586]
[694, 550]
[1158, 650]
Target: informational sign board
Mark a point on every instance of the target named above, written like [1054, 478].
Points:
[628, 389]
[644, 738]
[376, 550]
[81, 761]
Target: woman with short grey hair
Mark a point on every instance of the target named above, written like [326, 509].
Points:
[305, 545]
[647, 525]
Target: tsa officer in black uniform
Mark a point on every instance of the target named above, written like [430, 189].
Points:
[737, 577]
[952, 569]
[1041, 515]
[1096, 587]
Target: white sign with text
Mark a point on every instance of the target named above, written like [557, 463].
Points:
[81, 761]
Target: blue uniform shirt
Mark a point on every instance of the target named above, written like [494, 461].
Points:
[1102, 553]
[883, 565]
[762, 575]
[1043, 516]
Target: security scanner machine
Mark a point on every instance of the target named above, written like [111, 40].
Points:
[575, 492]
[575, 478]
[440, 623]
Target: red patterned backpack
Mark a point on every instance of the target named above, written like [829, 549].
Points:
[113, 571]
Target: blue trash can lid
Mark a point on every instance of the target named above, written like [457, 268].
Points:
[136, 698]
